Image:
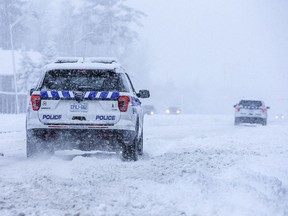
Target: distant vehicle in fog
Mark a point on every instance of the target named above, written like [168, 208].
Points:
[251, 111]
[279, 116]
[173, 110]
[149, 110]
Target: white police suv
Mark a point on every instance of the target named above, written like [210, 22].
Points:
[86, 104]
[251, 111]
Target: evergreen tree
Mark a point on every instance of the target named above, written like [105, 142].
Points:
[26, 72]
[49, 53]
[34, 76]
[110, 23]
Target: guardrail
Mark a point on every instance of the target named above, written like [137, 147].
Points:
[8, 102]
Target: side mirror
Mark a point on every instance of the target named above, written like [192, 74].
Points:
[32, 90]
[235, 105]
[268, 107]
[143, 94]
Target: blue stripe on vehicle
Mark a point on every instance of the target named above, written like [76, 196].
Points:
[92, 95]
[136, 101]
[103, 95]
[44, 94]
[66, 94]
[55, 95]
[115, 95]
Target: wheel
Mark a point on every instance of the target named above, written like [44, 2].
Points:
[30, 148]
[130, 152]
[36, 144]
[236, 121]
[264, 122]
[140, 144]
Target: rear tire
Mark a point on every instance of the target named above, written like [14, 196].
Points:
[140, 144]
[30, 148]
[264, 122]
[37, 144]
[130, 152]
[236, 121]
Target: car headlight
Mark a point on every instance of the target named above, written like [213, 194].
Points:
[178, 111]
[152, 113]
[167, 111]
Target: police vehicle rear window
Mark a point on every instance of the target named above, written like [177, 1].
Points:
[84, 80]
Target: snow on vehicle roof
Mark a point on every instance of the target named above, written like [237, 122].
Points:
[251, 100]
[104, 60]
[89, 63]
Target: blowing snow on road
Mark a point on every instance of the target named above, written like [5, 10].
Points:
[192, 165]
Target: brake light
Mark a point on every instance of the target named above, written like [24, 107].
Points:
[123, 102]
[36, 102]
[238, 109]
[264, 109]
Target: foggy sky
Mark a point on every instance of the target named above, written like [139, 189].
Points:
[212, 53]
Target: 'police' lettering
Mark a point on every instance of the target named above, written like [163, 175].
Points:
[52, 117]
[106, 118]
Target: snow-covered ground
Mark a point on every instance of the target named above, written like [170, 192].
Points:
[193, 165]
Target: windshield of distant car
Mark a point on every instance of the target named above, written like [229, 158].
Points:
[246, 103]
[173, 108]
[84, 80]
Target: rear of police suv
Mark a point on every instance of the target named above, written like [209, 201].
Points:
[85, 106]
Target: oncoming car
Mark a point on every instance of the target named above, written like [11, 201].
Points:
[251, 111]
[86, 104]
[279, 116]
[173, 110]
[149, 109]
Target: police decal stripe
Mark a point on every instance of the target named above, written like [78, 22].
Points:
[65, 94]
[87, 95]
[109, 94]
[71, 94]
[115, 95]
[98, 95]
[92, 95]
[44, 94]
[55, 94]
[103, 95]
[49, 94]
[60, 94]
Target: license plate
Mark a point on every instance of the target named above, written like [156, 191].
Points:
[79, 107]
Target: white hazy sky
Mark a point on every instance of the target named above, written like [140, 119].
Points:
[215, 52]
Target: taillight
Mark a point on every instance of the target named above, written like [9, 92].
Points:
[36, 102]
[264, 109]
[238, 109]
[123, 102]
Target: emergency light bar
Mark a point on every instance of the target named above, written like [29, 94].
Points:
[101, 60]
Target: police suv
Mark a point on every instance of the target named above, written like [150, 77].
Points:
[251, 111]
[86, 104]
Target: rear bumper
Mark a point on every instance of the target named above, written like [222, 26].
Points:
[251, 115]
[123, 124]
[82, 138]
[251, 120]
[126, 122]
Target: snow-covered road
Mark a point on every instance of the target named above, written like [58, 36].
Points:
[193, 165]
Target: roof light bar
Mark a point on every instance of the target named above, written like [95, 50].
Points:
[103, 60]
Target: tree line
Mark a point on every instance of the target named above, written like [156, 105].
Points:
[66, 28]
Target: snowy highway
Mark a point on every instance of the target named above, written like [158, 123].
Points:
[192, 165]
